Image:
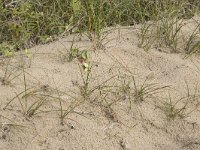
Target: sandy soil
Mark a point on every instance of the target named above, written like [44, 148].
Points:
[111, 118]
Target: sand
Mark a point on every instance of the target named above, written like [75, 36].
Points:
[107, 121]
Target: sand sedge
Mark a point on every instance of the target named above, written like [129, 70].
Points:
[174, 110]
[129, 89]
[137, 93]
[84, 89]
[73, 52]
[182, 107]
[87, 88]
[168, 30]
[9, 76]
[146, 39]
[64, 113]
[30, 100]
[72, 103]
[192, 45]
[145, 89]
[12, 71]
[165, 32]
[93, 20]
[6, 125]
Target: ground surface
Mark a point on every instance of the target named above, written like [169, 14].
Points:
[104, 121]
